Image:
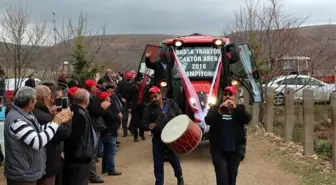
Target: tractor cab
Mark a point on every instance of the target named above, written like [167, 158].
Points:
[198, 68]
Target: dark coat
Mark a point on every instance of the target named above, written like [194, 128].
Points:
[160, 72]
[30, 83]
[124, 89]
[78, 148]
[133, 101]
[96, 111]
[153, 114]
[112, 122]
[240, 117]
[53, 148]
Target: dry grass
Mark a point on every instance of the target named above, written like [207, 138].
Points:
[322, 127]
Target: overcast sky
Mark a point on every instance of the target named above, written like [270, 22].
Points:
[165, 16]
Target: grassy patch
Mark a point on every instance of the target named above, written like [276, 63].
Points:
[309, 170]
[311, 174]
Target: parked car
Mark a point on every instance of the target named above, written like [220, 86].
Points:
[321, 89]
[10, 83]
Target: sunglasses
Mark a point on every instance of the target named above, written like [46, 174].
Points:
[227, 94]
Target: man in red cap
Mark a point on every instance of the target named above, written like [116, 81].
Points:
[109, 137]
[71, 93]
[124, 89]
[137, 106]
[156, 115]
[227, 136]
[97, 111]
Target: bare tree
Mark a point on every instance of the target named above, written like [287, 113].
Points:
[273, 35]
[270, 33]
[94, 41]
[22, 40]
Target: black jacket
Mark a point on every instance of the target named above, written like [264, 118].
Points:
[53, 148]
[240, 117]
[30, 83]
[78, 148]
[124, 88]
[96, 111]
[116, 103]
[134, 94]
[153, 114]
[160, 72]
[112, 122]
[108, 79]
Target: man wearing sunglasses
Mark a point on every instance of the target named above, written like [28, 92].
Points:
[227, 137]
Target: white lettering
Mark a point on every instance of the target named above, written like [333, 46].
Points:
[200, 73]
[197, 62]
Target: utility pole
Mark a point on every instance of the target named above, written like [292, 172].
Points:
[55, 34]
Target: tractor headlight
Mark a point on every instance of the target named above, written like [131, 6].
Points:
[163, 84]
[218, 42]
[234, 82]
[212, 100]
[178, 43]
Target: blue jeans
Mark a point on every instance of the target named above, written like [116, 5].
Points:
[100, 147]
[159, 150]
[110, 146]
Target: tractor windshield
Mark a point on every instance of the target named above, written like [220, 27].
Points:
[197, 62]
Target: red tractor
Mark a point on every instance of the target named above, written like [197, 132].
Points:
[198, 68]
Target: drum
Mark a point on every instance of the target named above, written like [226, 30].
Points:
[181, 134]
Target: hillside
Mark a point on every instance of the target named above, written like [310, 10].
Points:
[123, 52]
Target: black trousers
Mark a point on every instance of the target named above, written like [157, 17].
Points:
[137, 127]
[59, 176]
[124, 121]
[226, 166]
[76, 174]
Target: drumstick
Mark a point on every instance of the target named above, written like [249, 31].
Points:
[158, 119]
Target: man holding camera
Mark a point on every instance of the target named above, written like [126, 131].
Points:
[44, 112]
[25, 139]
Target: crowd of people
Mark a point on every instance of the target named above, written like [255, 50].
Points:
[55, 132]
[63, 129]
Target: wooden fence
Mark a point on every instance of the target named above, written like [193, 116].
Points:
[308, 118]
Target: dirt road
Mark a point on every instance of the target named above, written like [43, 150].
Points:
[134, 160]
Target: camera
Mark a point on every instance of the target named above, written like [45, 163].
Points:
[61, 103]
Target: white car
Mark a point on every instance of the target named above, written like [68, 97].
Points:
[321, 89]
[10, 83]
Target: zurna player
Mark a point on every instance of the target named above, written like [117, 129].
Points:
[156, 115]
[227, 137]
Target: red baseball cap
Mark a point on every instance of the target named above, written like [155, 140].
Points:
[154, 89]
[231, 89]
[128, 75]
[90, 83]
[104, 95]
[72, 90]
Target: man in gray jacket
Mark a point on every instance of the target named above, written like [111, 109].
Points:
[25, 139]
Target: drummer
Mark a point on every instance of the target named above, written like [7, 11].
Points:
[156, 115]
[226, 136]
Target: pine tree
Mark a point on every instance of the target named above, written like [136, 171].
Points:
[83, 68]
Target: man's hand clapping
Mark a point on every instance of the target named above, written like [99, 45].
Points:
[63, 117]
